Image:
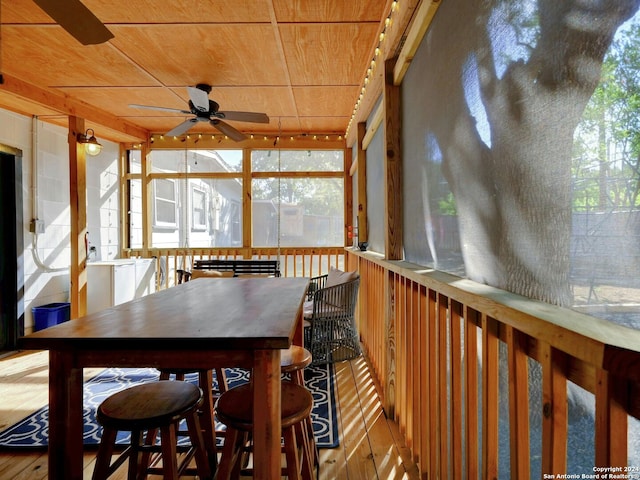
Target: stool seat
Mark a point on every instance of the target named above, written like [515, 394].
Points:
[294, 358]
[235, 407]
[148, 405]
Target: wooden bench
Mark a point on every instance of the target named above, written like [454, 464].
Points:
[241, 267]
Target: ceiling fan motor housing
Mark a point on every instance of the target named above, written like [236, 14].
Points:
[204, 87]
[213, 110]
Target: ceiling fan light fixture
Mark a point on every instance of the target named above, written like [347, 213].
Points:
[91, 145]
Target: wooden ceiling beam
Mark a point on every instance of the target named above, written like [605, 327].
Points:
[76, 108]
[283, 58]
[409, 21]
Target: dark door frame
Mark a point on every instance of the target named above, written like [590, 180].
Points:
[12, 246]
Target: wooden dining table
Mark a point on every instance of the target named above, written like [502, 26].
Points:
[202, 324]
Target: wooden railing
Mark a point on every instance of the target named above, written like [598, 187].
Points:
[294, 262]
[472, 373]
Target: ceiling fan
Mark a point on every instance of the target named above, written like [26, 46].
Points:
[205, 110]
[76, 19]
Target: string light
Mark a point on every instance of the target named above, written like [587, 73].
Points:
[276, 138]
[377, 51]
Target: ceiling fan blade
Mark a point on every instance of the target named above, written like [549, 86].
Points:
[76, 19]
[228, 130]
[182, 128]
[199, 98]
[253, 117]
[162, 109]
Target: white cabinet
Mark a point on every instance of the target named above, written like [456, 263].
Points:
[114, 282]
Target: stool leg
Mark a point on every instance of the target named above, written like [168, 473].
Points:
[221, 378]
[135, 455]
[298, 378]
[207, 420]
[145, 458]
[169, 441]
[291, 453]
[231, 454]
[197, 442]
[315, 456]
[242, 457]
[105, 451]
[306, 448]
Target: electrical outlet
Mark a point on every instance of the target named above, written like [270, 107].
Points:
[37, 226]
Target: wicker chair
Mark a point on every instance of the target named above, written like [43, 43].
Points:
[331, 334]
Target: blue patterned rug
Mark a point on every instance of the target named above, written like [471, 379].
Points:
[33, 430]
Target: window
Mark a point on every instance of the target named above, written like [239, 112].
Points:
[297, 161]
[165, 203]
[299, 199]
[198, 198]
[198, 209]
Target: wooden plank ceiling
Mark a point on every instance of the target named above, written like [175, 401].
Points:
[302, 62]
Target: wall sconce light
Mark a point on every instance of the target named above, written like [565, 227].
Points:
[91, 145]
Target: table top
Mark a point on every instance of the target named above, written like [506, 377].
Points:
[203, 314]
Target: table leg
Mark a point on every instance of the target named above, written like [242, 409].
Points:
[65, 417]
[298, 336]
[266, 414]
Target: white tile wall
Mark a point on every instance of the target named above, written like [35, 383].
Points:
[46, 275]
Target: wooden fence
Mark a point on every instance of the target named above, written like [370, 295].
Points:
[473, 374]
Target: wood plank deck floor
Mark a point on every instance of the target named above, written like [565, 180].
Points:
[370, 445]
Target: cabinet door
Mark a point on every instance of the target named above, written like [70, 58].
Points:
[145, 276]
[124, 283]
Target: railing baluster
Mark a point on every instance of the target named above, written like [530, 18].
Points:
[443, 403]
[455, 381]
[518, 404]
[432, 368]
[490, 397]
[471, 318]
[611, 421]
[554, 411]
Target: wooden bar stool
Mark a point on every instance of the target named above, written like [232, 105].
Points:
[293, 361]
[151, 407]
[235, 409]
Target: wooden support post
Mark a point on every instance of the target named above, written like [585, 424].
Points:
[147, 218]
[348, 194]
[247, 223]
[363, 228]
[392, 166]
[123, 199]
[78, 202]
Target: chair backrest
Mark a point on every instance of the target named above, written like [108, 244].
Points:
[337, 300]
